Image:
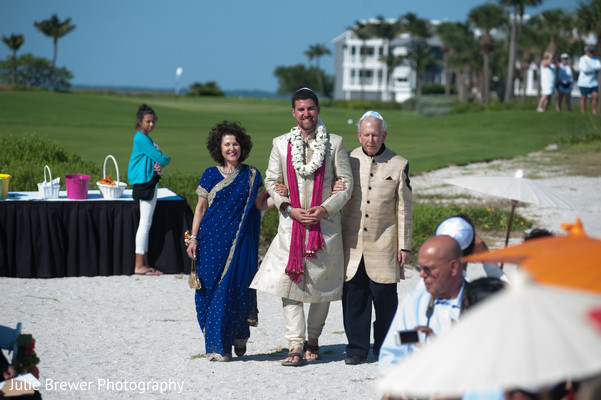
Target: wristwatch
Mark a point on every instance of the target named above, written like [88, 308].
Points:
[286, 212]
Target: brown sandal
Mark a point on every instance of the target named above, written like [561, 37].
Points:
[313, 350]
[301, 360]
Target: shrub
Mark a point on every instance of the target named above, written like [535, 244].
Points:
[210, 88]
[36, 72]
[24, 158]
[427, 216]
[269, 228]
[184, 184]
[495, 105]
[435, 106]
[365, 104]
[432, 88]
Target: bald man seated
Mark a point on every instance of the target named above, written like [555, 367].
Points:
[430, 309]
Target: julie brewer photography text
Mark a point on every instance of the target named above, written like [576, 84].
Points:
[108, 385]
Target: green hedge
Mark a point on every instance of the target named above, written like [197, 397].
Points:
[24, 158]
[427, 216]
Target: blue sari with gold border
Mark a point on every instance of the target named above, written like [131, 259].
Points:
[227, 257]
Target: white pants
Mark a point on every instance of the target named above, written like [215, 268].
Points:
[146, 212]
[294, 321]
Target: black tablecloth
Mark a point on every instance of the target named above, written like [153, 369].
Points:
[46, 239]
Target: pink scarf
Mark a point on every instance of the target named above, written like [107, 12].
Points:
[294, 268]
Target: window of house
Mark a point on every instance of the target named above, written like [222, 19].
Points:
[366, 76]
[367, 51]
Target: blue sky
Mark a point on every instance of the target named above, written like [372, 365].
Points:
[234, 42]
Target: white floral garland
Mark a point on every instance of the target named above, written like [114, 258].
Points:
[295, 137]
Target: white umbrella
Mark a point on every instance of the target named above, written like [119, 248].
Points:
[516, 188]
[528, 335]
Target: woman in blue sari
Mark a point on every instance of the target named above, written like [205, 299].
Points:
[225, 242]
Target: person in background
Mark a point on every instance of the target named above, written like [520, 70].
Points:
[433, 307]
[481, 289]
[461, 228]
[376, 234]
[13, 389]
[547, 81]
[536, 233]
[588, 81]
[565, 82]
[144, 171]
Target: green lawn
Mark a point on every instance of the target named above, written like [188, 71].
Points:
[94, 125]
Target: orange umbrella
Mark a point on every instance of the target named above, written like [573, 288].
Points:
[572, 260]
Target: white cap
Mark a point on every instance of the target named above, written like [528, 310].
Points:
[457, 228]
[564, 55]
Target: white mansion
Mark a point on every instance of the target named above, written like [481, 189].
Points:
[359, 73]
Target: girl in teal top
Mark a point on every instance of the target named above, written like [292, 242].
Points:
[145, 164]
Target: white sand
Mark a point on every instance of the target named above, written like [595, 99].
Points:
[137, 332]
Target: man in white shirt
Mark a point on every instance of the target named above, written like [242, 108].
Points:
[433, 308]
[588, 81]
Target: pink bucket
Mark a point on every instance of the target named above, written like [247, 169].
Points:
[77, 186]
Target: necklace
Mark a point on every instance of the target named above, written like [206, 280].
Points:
[226, 172]
[295, 137]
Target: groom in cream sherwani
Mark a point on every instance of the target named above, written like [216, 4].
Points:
[376, 228]
[318, 274]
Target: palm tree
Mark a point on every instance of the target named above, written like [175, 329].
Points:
[363, 31]
[422, 58]
[588, 14]
[460, 55]
[420, 54]
[14, 42]
[392, 61]
[54, 28]
[575, 43]
[529, 47]
[486, 18]
[445, 32]
[517, 11]
[387, 30]
[555, 26]
[316, 52]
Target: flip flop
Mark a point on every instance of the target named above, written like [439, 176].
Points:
[150, 272]
[313, 349]
[301, 360]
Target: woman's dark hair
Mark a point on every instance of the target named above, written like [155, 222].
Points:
[536, 233]
[469, 249]
[228, 128]
[142, 111]
[481, 289]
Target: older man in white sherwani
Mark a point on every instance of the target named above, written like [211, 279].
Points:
[377, 226]
[304, 263]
